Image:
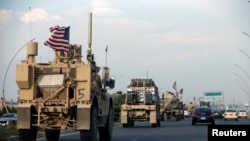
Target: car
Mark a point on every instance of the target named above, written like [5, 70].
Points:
[203, 115]
[218, 113]
[187, 113]
[6, 118]
[242, 114]
[230, 114]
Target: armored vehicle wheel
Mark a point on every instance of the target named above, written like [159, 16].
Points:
[52, 135]
[162, 118]
[124, 125]
[105, 133]
[154, 124]
[178, 118]
[90, 135]
[158, 122]
[130, 122]
[29, 134]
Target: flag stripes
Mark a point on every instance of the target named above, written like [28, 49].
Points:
[59, 39]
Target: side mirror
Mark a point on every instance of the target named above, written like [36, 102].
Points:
[111, 82]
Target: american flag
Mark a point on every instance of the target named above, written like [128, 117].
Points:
[59, 39]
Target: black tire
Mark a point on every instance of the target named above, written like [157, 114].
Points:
[193, 122]
[105, 133]
[213, 123]
[178, 118]
[29, 134]
[124, 125]
[130, 122]
[90, 135]
[154, 124]
[162, 118]
[52, 135]
[158, 122]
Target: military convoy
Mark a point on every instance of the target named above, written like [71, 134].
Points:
[171, 106]
[64, 94]
[142, 103]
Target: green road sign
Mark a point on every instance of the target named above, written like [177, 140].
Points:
[212, 94]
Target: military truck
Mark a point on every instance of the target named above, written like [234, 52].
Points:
[171, 106]
[141, 103]
[64, 94]
[190, 107]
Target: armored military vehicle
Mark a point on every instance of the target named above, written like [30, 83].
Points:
[64, 94]
[141, 103]
[190, 107]
[171, 106]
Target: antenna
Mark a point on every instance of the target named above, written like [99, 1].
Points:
[30, 24]
[90, 56]
[8, 69]
[106, 50]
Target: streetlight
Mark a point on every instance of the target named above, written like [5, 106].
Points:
[247, 96]
[247, 85]
[242, 70]
[243, 90]
[242, 80]
[246, 34]
[246, 88]
[244, 53]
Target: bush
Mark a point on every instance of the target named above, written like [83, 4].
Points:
[10, 110]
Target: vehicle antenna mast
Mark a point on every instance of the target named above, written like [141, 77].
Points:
[106, 50]
[90, 56]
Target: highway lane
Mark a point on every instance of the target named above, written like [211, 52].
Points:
[170, 130]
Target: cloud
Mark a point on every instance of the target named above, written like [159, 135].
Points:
[38, 15]
[100, 7]
[5, 16]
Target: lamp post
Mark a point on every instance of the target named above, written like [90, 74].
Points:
[244, 53]
[242, 80]
[243, 70]
[246, 34]
[248, 94]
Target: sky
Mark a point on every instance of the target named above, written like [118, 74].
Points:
[198, 44]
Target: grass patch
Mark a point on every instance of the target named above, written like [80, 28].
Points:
[7, 132]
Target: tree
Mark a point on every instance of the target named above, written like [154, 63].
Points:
[118, 99]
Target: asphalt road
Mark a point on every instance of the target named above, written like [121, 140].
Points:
[170, 130]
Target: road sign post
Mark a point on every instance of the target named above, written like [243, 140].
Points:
[214, 96]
